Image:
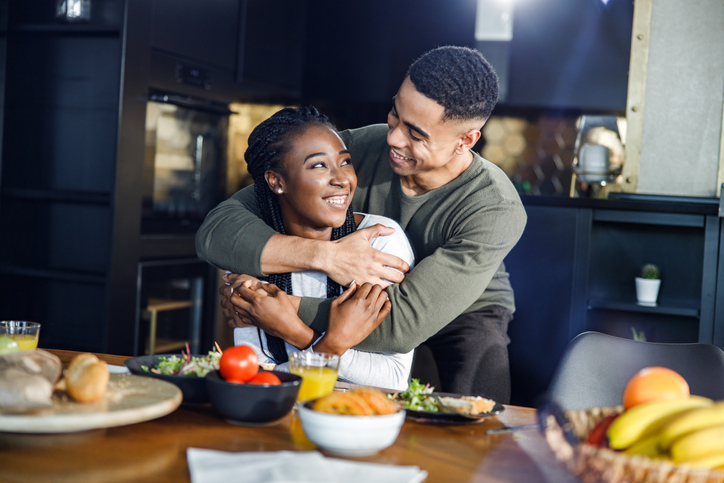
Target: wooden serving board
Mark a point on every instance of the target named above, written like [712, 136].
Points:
[129, 399]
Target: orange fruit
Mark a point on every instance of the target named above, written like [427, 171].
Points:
[654, 384]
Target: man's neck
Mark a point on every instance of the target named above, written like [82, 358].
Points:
[421, 183]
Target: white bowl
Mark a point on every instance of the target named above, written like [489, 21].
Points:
[350, 435]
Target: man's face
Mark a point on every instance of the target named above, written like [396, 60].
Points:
[420, 142]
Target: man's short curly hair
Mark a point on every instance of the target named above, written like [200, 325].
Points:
[459, 79]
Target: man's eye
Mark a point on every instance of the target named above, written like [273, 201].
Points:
[414, 138]
[393, 113]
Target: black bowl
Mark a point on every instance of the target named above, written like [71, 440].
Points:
[193, 388]
[253, 403]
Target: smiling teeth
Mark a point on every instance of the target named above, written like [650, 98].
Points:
[398, 156]
[336, 200]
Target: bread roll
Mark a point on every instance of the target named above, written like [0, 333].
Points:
[86, 378]
[26, 380]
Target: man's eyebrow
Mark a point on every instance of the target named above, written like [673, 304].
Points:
[415, 128]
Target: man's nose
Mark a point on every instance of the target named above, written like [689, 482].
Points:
[395, 136]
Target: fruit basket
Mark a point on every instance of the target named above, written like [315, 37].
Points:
[592, 464]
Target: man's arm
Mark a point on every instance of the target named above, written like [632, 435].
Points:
[442, 285]
[234, 237]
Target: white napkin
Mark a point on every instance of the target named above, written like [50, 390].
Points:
[209, 466]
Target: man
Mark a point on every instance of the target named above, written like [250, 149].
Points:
[460, 211]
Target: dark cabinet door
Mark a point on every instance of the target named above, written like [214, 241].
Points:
[271, 48]
[200, 30]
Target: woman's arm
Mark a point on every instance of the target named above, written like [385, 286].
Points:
[250, 336]
[388, 370]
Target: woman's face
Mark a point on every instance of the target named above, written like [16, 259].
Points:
[317, 183]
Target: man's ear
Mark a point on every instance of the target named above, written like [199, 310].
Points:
[274, 181]
[467, 140]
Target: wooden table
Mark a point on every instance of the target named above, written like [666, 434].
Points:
[155, 451]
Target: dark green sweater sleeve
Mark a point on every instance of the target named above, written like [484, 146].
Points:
[232, 237]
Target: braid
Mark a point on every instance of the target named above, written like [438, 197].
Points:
[268, 143]
[349, 226]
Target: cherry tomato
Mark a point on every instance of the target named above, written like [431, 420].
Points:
[239, 364]
[597, 436]
[265, 378]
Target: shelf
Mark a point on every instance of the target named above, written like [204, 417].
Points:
[61, 275]
[600, 304]
[80, 197]
[167, 345]
[67, 29]
[164, 305]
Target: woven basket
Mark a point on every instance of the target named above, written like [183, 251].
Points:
[593, 465]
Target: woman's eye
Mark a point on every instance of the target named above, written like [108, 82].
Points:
[346, 161]
[318, 165]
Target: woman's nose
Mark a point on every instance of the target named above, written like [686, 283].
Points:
[340, 177]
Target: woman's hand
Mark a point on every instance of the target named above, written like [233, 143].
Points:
[353, 316]
[233, 281]
[269, 308]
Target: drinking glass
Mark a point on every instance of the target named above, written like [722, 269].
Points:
[318, 371]
[24, 333]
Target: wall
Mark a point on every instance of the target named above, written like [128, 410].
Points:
[676, 105]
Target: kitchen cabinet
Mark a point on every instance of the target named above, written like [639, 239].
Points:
[72, 253]
[573, 270]
[223, 50]
[60, 134]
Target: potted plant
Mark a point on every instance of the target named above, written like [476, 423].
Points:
[647, 285]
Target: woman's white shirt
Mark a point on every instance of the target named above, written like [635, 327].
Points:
[387, 370]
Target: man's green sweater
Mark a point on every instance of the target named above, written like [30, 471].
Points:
[460, 231]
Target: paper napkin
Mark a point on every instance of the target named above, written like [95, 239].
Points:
[209, 466]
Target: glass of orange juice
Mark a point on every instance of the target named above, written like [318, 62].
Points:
[318, 371]
[24, 333]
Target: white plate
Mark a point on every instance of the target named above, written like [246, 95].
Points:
[117, 369]
[129, 399]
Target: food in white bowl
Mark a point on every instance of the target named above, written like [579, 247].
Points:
[344, 433]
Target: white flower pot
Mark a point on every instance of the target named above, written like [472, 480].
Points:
[647, 291]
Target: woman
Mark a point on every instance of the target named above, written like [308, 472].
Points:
[304, 182]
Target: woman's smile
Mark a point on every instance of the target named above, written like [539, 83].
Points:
[338, 201]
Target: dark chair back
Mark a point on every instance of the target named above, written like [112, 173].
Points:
[595, 368]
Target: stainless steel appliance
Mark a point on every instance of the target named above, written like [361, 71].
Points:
[185, 162]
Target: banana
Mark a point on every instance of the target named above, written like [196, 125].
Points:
[708, 462]
[697, 445]
[692, 421]
[648, 418]
[648, 446]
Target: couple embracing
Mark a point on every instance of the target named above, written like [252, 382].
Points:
[333, 220]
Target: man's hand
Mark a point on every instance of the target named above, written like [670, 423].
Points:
[353, 258]
[353, 316]
[272, 310]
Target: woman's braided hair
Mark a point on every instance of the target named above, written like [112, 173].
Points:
[269, 142]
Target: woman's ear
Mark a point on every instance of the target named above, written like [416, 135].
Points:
[274, 181]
